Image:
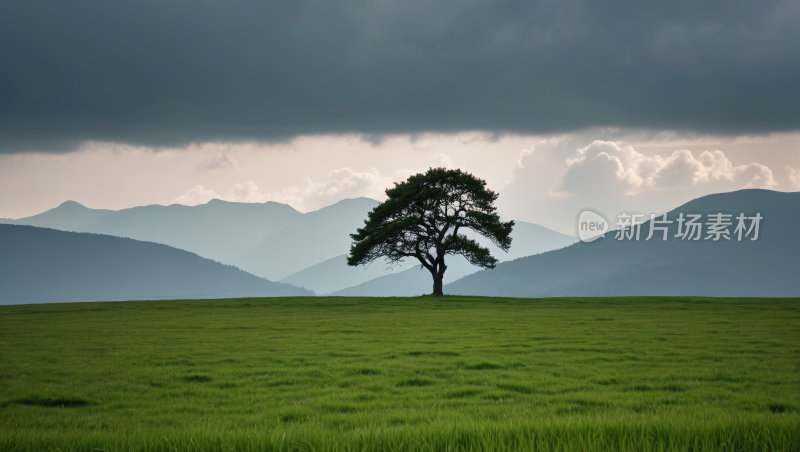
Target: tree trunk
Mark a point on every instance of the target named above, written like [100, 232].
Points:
[437, 285]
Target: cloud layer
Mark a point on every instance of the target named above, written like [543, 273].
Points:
[169, 72]
[608, 166]
[613, 177]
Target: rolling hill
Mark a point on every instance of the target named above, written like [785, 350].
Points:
[40, 265]
[609, 267]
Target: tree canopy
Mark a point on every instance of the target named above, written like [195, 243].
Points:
[424, 218]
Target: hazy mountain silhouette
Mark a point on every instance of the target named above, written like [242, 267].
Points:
[69, 216]
[271, 240]
[314, 238]
[608, 267]
[218, 230]
[528, 239]
[334, 274]
[47, 265]
[275, 241]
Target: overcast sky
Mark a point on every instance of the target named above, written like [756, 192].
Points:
[558, 105]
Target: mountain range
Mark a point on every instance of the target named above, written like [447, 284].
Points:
[39, 265]
[218, 230]
[705, 267]
[270, 240]
[172, 252]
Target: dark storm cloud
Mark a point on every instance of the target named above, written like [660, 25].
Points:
[166, 73]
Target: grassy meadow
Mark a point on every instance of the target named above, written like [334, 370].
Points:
[393, 374]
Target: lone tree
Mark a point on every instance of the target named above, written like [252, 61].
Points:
[423, 218]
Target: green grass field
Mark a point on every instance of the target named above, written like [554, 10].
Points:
[444, 374]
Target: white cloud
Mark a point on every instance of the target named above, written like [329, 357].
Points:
[536, 172]
[342, 183]
[524, 153]
[606, 175]
[607, 166]
[533, 175]
[196, 195]
[794, 175]
[246, 192]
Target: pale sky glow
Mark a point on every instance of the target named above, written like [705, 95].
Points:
[542, 179]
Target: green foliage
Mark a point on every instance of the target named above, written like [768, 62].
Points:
[421, 220]
[451, 373]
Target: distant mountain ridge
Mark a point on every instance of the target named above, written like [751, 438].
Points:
[273, 240]
[609, 267]
[270, 240]
[46, 265]
[68, 216]
[217, 230]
